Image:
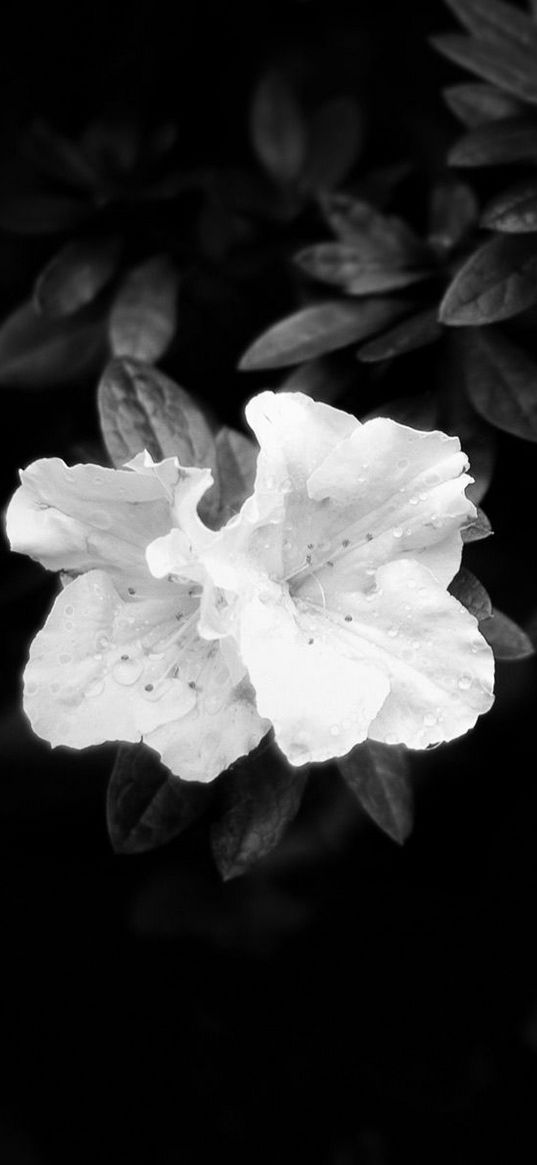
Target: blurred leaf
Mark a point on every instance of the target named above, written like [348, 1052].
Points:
[112, 146]
[507, 639]
[499, 280]
[143, 316]
[471, 593]
[414, 332]
[335, 141]
[40, 353]
[514, 210]
[378, 185]
[236, 457]
[452, 214]
[419, 412]
[496, 21]
[345, 265]
[324, 378]
[478, 529]
[146, 805]
[513, 139]
[379, 776]
[509, 68]
[40, 214]
[476, 104]
[57, 156]
[277, 128]
[378, 237]
[140, 408]
[262, 794]
[501, 381]
[323, 327]
[75, 276]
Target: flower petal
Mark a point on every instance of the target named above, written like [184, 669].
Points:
[106, 669]
[439, 667]
[320, 699]
[389, 491]
[85, 517]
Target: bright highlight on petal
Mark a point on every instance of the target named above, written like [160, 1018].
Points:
[321, 608]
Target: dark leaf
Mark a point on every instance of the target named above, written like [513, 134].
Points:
[142, 319]
[378, 185]
[321, 328]
[414, 332]
[344, 265]
[112, 146]
[146, 805]
[507, 639]
[378, 237]
[419, 412]
[513, 211]
[475, 103]
[236, 457]
[471, 593]
[40, 353]
[140, 408]
[325, 378]
[40, 214]
[75, 276]
[501, 381]
[277, 129]
[514, 139]
[453, 212]
[510, 68]
[262, 795]
[478, 529]
[496, 21]
[379, 776]
[57, 156]
[335, 141]
[499, 280]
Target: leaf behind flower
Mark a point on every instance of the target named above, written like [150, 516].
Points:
[320, 328]
[513, 210]
[146, 805]
[509, 642]
[501, 381]
[143, 315]
[507, 66]
[476, 103]
[498, 281]
[38, 353]
[379, 776]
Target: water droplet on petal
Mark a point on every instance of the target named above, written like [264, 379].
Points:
[335, 730]
[392, 632]
[127, 671]
[397, 532]
[69, 610]
[402, 464]
[322, 547]
[437, 521]
[413, 501]
[31, 688]
[464, 682]
[95, 688]
[68, 625]
[103, 642]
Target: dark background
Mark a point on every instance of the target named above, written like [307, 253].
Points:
[348, 1001]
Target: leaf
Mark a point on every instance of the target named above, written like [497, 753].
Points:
[75, 276]
[513, 139]
[476, 104]
[414, 332]
[496, 21]
[345, 265]
[499, 280]
[501, 381]
[507, 639]
[40, 214]
[452, 214]
[322, 327]
[140, 408]
[514, 210]
[379, 776]
[324, 378]
[277, 129]
[142, 319]
[57, 156]
[380, 238]
[509, 68]
[40, 353]
[471, 593]
[335, 141]
[478, 529]
[146, 805]
[262, 794]
[236, 457]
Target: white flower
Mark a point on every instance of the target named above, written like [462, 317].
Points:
[321, 608]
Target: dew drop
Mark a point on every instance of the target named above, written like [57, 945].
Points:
[127, 671]
[392, 632]
[322, 547]
[31, 688]
[95, 688]
[402, 464]
[370, 596]
[334, 731]
[397, 532]
[437, 521]
[464, 682]
[413, 501]
[69, 610]
[68, 626]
